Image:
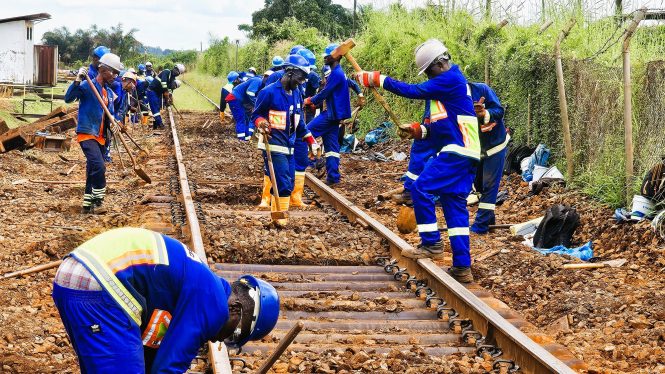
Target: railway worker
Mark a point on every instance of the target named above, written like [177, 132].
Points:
[92, 126]
[277, 64]
[241, 101]
[251, 72]
[493, 142]
[136, 301]
[148, 70]
[233, 79]
[123, 103]
[453, 130]
[97, 53]
[279, 116]
[338, 108]
[141, 90]
[158, 89]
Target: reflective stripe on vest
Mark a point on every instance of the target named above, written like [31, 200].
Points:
[116, 250]
[468, 126]
[496, 149]
[437, 111]
[228, 87]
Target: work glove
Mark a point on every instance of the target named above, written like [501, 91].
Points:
[361, 101]
[263, 127]
[314, 150]
[370, 78]
[308, 103]
[412, 131]
[168, 99]
[82, 73]
[481, 112]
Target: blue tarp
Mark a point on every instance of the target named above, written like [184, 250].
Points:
[584, 252]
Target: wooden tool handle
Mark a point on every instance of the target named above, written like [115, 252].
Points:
[584, 266]
[281, 347]
[376, 93]
[34, 269]
[273, 179]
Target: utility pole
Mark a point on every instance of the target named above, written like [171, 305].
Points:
[354, 16]
[237, 44]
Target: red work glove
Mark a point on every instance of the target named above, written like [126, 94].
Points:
[369, 78]
[308, 103]
[263, 126]
[412, 131]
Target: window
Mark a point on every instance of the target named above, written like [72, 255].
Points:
[28, 32]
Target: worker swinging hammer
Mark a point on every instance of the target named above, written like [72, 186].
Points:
[136, 301]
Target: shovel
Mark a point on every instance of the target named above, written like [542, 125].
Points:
[176, 109]
[142, 174]
[142, 152]
[117, 150]
[279, 214]
[596, 265]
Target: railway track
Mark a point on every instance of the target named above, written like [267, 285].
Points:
[367, 310]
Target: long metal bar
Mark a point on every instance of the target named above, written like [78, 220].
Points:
[532, 357]
[218, 356]
[201, 93]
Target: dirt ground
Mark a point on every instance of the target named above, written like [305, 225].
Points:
[611, 318]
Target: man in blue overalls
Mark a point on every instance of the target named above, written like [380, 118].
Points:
[453, 131]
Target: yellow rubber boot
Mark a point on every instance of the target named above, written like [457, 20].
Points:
[265, 195]
[296, 195]
[284, 206]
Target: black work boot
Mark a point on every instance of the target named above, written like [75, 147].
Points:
[425, 251]
[87, 210]
[461, 274]
[98, 208]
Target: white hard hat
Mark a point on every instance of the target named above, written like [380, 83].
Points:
[131, 70]
[268, 73]
[180, 67]
[428, 52]
[113, 61]
[129, 75]
[177, 82]
[148, 63]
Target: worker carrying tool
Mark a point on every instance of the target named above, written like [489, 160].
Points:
[493, 144]
[136, 301]
[241, 100]
[141, 90]
[338, 108]
[91, 127]
[233, 80]
[159, 89]
[148, 70]
[453, 131]
[279, 116]
[97, 53]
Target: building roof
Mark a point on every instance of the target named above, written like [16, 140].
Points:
[29, 17]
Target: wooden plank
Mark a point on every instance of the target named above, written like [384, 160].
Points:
[3, 127]
[218, 356]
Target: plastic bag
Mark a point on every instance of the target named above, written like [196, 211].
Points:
[584, 252]
[539, 157]
[379, 134]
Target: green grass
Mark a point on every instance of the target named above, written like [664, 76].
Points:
[186, 98]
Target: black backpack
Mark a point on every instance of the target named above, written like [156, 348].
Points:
[653, 185]
[514, 156]
[557, 227]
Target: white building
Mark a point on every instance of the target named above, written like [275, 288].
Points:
[17, 49]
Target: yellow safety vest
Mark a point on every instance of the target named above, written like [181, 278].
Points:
[116, 250]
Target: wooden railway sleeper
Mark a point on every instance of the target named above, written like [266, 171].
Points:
[446, 313]
[503, 366]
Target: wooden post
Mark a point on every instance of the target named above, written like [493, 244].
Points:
[627, 101]
[500, 25]
[544, 27]
[563, 105]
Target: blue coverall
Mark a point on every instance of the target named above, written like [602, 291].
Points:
[284, 113]
[241, 101]
[453, 131]
[493, 142]
[226, 90]
[338, 108]
[156, 90]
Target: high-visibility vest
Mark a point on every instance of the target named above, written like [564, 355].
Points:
[468, 127]
[116, 250]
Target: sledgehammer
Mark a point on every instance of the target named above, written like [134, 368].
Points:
[344, 50]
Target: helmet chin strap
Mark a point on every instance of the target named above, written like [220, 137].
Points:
[241, 313]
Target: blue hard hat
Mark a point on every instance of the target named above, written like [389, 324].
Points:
[297, 61]
[306, 53]
[277, 61]
[329, 49]
[295, 49]
[326, 70]
[141, 67]
[100, 51]
[267, 312]
[232, 76]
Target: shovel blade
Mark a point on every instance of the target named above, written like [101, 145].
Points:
[142, 174]
[406, 220]
[279, 215]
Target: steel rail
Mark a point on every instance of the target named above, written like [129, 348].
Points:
[217, 353]
[201, 93]
[532, 357]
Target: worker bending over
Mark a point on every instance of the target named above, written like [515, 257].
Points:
[493, 142]
[233, 80]
[159, 89]
[241, 100]
[92, 127]
[338, 108]
[453, 131]
[136, 301]
[279, 116]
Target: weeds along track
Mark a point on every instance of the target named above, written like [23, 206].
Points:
[336, 268]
